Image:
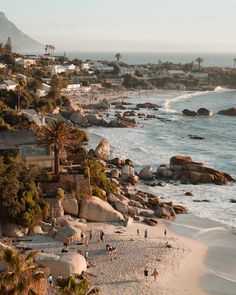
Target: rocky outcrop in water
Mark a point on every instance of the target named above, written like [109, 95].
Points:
[183, 168]
[228, 112]
[103, 150]
[148, 105]
[204, 112]
[190, 113]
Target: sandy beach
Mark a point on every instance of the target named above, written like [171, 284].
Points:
[180, 267]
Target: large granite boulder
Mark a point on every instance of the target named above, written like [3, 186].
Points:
[127, 172]
[66, 265]
[185, 169]
[228, 112]
[105, 104]
[12, 230]
[112, 198]
[190, 113]
[70, 205]
[164, 211]
[63, 233]
[115, 173]
[103, 150]
[146, 173]
[122, 207]
[204, 112]
[180, 160]
[95, 209]
[67, 220]
[79, 119]
[179, 209]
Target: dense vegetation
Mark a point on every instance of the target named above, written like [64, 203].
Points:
[20, 200]
[13, 120]
[21, 275]
[98, 179]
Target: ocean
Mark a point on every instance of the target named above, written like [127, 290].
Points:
[210, 59]
[155, 141]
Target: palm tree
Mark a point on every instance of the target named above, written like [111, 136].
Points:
[118, 56]
[70, 286]
[199, 60]
[21, 275]
[60, 136]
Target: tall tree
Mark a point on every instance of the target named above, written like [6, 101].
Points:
[8, 45]
[118, 56]
[60, 137]
[199, 60]
[21, 275]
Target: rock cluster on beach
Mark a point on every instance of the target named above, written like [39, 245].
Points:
[183, 168]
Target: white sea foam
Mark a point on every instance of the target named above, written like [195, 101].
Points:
[168, 105]
[223, 89]
[157, 141]
[224, 276]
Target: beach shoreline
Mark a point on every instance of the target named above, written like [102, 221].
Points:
[180, 267]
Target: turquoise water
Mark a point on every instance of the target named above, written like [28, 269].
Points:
[156, 141]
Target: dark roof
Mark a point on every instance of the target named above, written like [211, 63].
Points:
[13, 139]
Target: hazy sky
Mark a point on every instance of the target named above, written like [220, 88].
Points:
[127, 25]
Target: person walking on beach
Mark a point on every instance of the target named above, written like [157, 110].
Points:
[101, 236]
[165, 233]
[50, 279]
[155, 274]
[91, 235]
[137, 232]
[146, 273]
[145, 233]
[86, 255]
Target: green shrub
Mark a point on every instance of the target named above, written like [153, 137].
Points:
[20, 201]
[98, 177]
[97, 192]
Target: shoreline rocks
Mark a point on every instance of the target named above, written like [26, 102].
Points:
[183, 168]
[228, 112]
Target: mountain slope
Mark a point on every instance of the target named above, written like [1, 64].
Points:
[21, 42]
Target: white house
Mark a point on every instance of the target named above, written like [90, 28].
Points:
[56, 69]
[103, 68]
[69, 67]
[8, 85]
[45, 88]
[85, 66]
[177, 74]
[26, 63]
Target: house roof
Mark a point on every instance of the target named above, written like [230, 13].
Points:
[14, 139]
[9, 83]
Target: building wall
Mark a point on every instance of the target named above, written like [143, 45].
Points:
[74, 182]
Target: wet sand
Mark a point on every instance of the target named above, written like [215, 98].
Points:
[221, 255]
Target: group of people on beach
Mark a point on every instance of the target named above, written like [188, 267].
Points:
[146, 233]
[155, 274]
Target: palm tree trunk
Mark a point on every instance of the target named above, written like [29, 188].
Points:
[56, 161]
